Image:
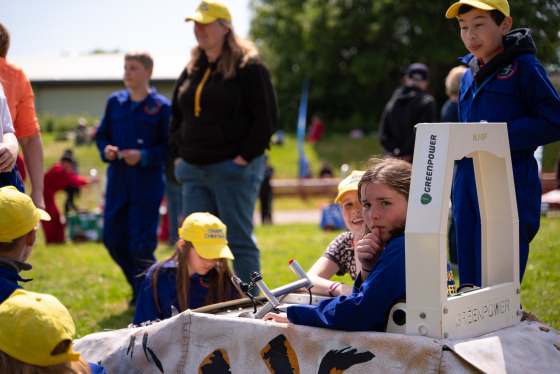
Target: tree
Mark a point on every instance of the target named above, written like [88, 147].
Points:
[355, 52]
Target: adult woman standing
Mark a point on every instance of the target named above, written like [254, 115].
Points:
[224, 112]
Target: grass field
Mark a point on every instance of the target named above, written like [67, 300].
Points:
[85, 278]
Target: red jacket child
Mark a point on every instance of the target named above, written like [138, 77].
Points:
[58, 178]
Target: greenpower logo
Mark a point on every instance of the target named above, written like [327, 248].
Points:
[425, 199]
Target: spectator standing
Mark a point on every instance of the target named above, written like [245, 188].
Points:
[133, 139]
[409, 105]
[315, 130]
[224, 113]
[22, 109]
[265, 194]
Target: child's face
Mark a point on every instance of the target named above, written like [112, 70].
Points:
[481, 35]
[210, 36]
[199, 265]
[383, 208]
[135, 74]
[352, 212]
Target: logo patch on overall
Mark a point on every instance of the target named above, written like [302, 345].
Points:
[507, 71]
[425, 199]
[152, 109]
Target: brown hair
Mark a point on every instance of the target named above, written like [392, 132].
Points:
[453, 80]
[141, 56]
[8, 364]
[393, 172]
[220, 288]
[4, 40]
[236, 51]
[10, 246]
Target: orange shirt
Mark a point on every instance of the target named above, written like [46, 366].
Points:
[20, 99]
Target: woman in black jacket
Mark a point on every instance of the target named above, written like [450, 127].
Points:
[224, 112]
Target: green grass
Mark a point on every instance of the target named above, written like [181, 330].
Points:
[84, 277]
[87, 281]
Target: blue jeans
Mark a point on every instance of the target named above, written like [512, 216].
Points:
[174, 209]
[229, 191]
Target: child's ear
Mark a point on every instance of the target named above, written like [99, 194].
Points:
[506, 25]
[31, 237]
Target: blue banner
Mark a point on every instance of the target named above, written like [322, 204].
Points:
[302, 119]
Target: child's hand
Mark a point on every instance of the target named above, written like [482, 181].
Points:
[282, 317]
[111, 152]
[131, 156]
[368, 249]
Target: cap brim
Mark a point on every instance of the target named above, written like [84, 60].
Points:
[43, 215]
[200, 18]
[453, 10]
[213, 251]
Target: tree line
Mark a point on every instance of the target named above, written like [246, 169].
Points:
[355, 52]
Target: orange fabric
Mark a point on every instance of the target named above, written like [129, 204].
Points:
[20, 99]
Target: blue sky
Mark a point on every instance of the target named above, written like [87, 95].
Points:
[57, 27]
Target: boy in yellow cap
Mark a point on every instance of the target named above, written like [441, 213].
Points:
[505, 82]
[37, 335]
[18, 229]
[196, 274]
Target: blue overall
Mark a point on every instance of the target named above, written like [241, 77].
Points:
[519, 93]
[134, 193]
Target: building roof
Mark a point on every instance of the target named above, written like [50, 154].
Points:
[94, 67]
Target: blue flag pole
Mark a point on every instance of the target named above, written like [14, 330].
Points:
[302, 119]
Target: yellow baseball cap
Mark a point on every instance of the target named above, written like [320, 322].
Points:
[207, 234]
[350, 183]
[33, 324]
[209, 11]
[501, 5]
[18, 215]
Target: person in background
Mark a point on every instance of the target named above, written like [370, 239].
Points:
[265, 194]
[340, 258]
[505, 82]
[224, 113]
[22, 109]
[133, 138]
[409, 105]
[173, 201]
[449, 110]
[59, 177]
[196, 274]
[326, 169]
[37, 336]
[315, 130]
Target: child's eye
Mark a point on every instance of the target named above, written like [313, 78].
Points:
[385, 203]
[367, 205]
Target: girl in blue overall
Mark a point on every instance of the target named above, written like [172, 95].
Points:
[196, 274]
[383, 192]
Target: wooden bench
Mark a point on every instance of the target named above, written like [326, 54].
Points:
[305, 187]
[549, 182]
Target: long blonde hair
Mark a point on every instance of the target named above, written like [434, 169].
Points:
[236, 52]
[220, 289]
[393, 172]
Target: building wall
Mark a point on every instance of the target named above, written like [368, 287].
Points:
[82, 99]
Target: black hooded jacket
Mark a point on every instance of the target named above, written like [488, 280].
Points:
[409, 106]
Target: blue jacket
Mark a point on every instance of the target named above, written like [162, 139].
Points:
[367, 307]
[143, 126]
[514, 88]
[9, 279]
